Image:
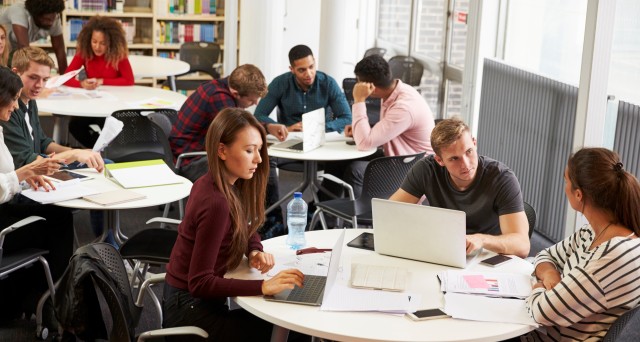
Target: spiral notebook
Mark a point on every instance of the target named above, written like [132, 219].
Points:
[114, 197]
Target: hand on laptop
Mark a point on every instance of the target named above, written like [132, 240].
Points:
[474, 242]
[297, 127]
[278, 130]
[284, 280]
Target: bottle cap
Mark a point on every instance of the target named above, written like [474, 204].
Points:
[297, 194]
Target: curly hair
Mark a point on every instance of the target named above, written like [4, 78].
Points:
[374, 69]
[39, 7]
[114, 34]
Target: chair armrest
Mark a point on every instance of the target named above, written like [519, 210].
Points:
[188, 155]
[189, 330]
[337, 180]
[155, 279]
[164, 220]
[18, 225]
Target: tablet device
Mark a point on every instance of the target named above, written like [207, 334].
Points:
[67, 175]
[364, 241]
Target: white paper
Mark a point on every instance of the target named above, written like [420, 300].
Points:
[112, 127]
[59, 80]
[141, 176]
[328, 137]
[499, 284]
[486, 309]
[154, 103]
[64, 191]
[345, 298]
[311, 264]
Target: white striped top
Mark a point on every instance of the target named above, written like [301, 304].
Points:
[596, 287]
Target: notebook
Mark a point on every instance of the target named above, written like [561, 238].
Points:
[378, 277]
[114, 197]
[420, 232]
[313, 131]
[316, 288]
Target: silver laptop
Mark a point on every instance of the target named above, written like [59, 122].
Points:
[315, 287]
[419, 232]
[313, 131]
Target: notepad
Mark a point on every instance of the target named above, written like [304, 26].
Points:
[114, 197]
[376, 277]
[141, 173]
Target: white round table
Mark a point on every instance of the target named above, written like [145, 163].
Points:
[373, 326]
[155, 195]
[116, 98]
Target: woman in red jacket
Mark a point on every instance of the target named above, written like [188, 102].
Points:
[102, 51]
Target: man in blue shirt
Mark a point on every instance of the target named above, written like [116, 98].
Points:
[300, 91]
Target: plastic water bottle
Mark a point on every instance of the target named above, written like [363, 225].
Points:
[296, 221]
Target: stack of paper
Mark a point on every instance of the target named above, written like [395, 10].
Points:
[141, 173]
[64, 191]
[513, 285]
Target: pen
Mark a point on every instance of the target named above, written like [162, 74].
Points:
[311, 250]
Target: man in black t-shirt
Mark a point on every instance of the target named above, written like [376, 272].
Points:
[455, 177]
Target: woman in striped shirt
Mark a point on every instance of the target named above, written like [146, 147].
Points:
[592, 277]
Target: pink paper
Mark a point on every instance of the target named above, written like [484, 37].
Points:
[475, 281]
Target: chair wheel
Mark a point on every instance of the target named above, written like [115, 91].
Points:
[42, 333]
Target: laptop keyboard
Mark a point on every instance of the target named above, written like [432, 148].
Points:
[297, 147]
[312, 290]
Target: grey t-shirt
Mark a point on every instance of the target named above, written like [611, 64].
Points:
[494, 192]
[17, 14]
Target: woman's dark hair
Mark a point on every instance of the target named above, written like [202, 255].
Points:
[39, 7]
[374, 69]
[10, 85]
[114, 35]
[246, 197]
[601, 176]
[299, 51]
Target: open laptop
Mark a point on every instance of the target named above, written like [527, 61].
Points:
[316, 288]
[419, 232]
[313, 131]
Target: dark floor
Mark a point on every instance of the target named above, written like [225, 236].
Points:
[133, 221]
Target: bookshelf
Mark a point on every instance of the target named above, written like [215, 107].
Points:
[153, 27]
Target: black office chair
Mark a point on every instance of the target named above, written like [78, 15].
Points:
[407, 69]
[375, 51]
[625, 328]
[382, 177]
[112, 283]
[19, 259]
[530, 211]
[202, 57]
[373, 104]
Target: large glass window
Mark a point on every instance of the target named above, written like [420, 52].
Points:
[430, 28]
[394, 21]
[624, 72]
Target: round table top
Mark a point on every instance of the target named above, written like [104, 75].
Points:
[150, 66]
[331, 150]
[155, 195]
[374, 326]
[75, 102]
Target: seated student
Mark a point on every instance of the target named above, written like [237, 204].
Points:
[5, 46]
[102, 51]
[55, 234]
[405, 122]
[590, 279]
[455, 177]
[219, 228]
[24, 135]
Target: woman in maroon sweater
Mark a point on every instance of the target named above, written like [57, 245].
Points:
[224, 211]
[102, 51]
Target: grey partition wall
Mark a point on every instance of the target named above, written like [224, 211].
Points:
[627, 138]
[526, 121]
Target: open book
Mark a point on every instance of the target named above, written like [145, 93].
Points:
[141, 173]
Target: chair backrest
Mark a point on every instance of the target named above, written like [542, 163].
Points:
[165, 119]
[373, 104]
[201, 56]
[407, 69]
[530, 211]
[375, 51]
[383, 176]
[140, 139]
[625, 328]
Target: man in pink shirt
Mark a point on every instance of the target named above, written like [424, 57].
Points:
[405, 122]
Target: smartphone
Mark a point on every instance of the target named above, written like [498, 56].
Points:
[351, 142]
[423, 315]
[496, 260]
[364, 241]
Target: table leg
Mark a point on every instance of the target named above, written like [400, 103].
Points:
[117, 233]
[279, 334]
[60, 129]
[172, 82]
